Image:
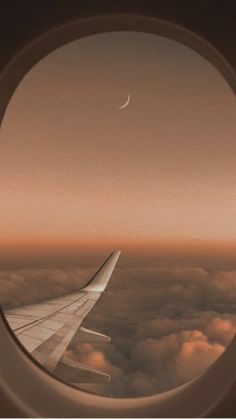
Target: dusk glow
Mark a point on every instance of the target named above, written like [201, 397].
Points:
[75, 167]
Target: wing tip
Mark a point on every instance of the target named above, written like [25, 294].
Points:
[116, 252]
[101, 278]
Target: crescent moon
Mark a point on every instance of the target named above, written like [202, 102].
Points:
[125, 104]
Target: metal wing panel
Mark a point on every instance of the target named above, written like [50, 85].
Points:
[38, 330]
[30, 314]
[51, 350]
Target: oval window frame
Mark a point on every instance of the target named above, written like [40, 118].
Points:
[196, 398]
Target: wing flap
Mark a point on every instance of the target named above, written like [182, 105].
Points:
[75, 372]
[90, 336]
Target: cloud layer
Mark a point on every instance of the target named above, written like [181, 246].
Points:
[167, 324]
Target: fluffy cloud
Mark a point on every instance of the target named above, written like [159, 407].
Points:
[167, 324]
[95, 358]
[220, 330]
[26, 286]
[195, 355]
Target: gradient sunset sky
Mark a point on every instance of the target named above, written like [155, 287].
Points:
[75, 168]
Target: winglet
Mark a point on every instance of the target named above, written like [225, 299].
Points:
[101, 278]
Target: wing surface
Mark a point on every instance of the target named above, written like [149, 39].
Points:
[47, 328]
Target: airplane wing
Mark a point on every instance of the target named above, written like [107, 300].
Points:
[47, 328]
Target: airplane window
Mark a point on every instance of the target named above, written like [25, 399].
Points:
[120, 141]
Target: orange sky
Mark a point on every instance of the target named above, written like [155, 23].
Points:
[75, 168]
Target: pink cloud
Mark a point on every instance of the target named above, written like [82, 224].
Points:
[195, 355]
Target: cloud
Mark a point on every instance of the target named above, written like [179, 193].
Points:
[167, 323]
[220, 330]
[26, 286]
[94, 358]
[195, 355]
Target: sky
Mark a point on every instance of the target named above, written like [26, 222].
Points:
[80, 177]
[75, 168]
